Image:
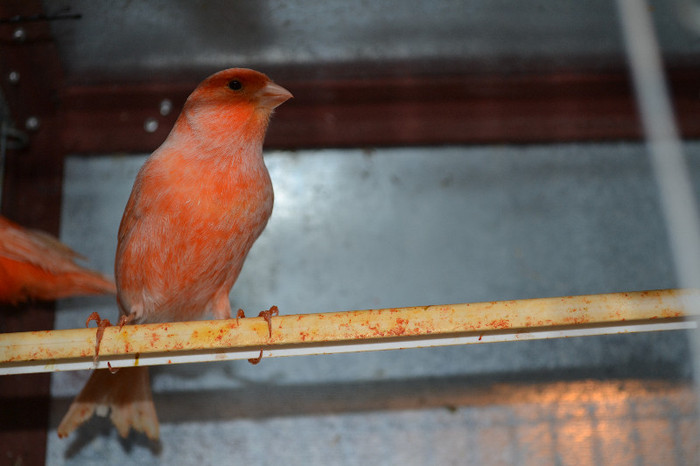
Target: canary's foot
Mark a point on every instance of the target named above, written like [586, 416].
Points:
[123, 320]
[267, 315]
[241, 315]
[102, 324]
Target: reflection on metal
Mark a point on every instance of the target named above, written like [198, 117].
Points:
[340, 332]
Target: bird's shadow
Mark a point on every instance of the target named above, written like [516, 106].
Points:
[98, 426]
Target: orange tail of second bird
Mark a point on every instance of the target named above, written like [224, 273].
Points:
[36, 265]
[127, 397]
[20, 281]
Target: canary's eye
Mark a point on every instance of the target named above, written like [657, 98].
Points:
[235, 85]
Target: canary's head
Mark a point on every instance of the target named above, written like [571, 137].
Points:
[236, 99]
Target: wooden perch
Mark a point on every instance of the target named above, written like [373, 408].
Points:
[335, 332]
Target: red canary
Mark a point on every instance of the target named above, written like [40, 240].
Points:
[35, 265]
[197, 205]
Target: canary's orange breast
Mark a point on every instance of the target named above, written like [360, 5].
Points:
[186, 232]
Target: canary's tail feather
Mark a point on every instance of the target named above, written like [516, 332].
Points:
[126, 396]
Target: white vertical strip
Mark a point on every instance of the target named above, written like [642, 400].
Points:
[676, 189]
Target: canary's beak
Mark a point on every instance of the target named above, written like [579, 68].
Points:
[273, 95]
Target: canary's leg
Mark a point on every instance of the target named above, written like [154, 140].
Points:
[220, 305]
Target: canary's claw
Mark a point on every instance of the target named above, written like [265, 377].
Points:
[125, 320]
[255, 361]
[96, 317]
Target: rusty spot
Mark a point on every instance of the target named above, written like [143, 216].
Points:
[576, 320]
[500, 323]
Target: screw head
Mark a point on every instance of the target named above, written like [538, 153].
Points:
[13, 77]
[32, 124]
[150, 125]
[19, 34]
[166, 106]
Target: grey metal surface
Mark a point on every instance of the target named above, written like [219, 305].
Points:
[358, 229]
[165, 40]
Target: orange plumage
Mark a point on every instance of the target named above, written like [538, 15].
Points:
[35, 265]
[197, 206]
